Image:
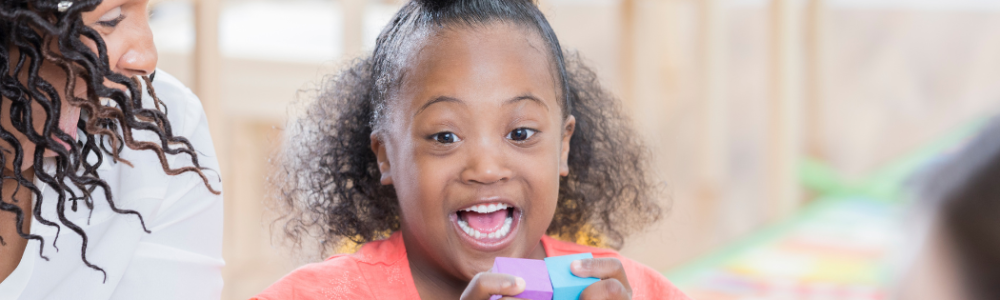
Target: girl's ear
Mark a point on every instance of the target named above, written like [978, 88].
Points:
[383, 159]
[568, 128]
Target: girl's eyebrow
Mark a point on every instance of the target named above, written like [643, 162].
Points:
[527, 97]
[440, 99]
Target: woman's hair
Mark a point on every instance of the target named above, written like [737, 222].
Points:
[329, 189]
[965, 193]
[44, 35]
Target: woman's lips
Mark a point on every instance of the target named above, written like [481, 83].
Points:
[67, 123]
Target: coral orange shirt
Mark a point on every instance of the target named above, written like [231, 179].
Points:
[380, 270]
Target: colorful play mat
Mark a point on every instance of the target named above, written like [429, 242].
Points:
[839, 246]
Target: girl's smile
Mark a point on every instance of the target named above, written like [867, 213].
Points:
[489, 225]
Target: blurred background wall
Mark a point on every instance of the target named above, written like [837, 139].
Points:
[731, 95]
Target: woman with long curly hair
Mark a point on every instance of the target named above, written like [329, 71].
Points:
[110, 187]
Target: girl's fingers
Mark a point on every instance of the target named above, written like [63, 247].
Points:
[602, 268]
[606, 289]
[484, 285]
[611, 272]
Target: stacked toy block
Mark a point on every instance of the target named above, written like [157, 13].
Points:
[550, 279]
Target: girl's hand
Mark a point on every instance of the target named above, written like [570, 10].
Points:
[486, 284]
[613, 284]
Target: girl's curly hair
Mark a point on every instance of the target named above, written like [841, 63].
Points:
[328, 185]
[34, 29]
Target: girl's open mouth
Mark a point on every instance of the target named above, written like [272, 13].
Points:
[487, 226]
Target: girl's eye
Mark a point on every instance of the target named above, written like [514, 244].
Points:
[445, 137]
[521, 134]
[112, 17]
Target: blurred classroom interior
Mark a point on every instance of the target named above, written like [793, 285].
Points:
[784, 131]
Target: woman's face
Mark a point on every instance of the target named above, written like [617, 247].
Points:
[124, 27]
[475, 146]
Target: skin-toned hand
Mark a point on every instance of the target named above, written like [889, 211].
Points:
[485, 284]
[613, 284]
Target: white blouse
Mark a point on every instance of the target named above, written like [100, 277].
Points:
[180, 259]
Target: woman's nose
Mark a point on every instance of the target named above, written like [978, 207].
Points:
[486, 164]
[140, 57]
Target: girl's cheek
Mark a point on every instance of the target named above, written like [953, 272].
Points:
[417, 179]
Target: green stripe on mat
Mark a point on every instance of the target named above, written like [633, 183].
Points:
[684, 274]
[885, 184]
[888, 182]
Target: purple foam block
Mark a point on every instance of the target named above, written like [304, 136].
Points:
[534, 273]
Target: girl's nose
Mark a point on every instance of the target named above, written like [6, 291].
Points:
[140, 57]
[487, 164]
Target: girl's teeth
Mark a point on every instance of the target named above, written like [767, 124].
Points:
[485, 209]
[502, 232]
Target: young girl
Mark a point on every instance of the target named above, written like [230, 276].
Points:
[467, 135]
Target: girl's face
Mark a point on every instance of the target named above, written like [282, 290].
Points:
[475, 146]
[124, 27]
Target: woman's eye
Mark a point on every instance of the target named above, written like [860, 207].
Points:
[112, 17]
[520, 134]
[445, 137]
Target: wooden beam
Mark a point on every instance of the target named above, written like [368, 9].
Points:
[815, 59]
[626, 55]
[354, 26]
[784, 120]
[714, 159]
[207, 59]
[208, 74]
[207, 84]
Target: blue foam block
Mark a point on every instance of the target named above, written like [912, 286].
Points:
[565, 285]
